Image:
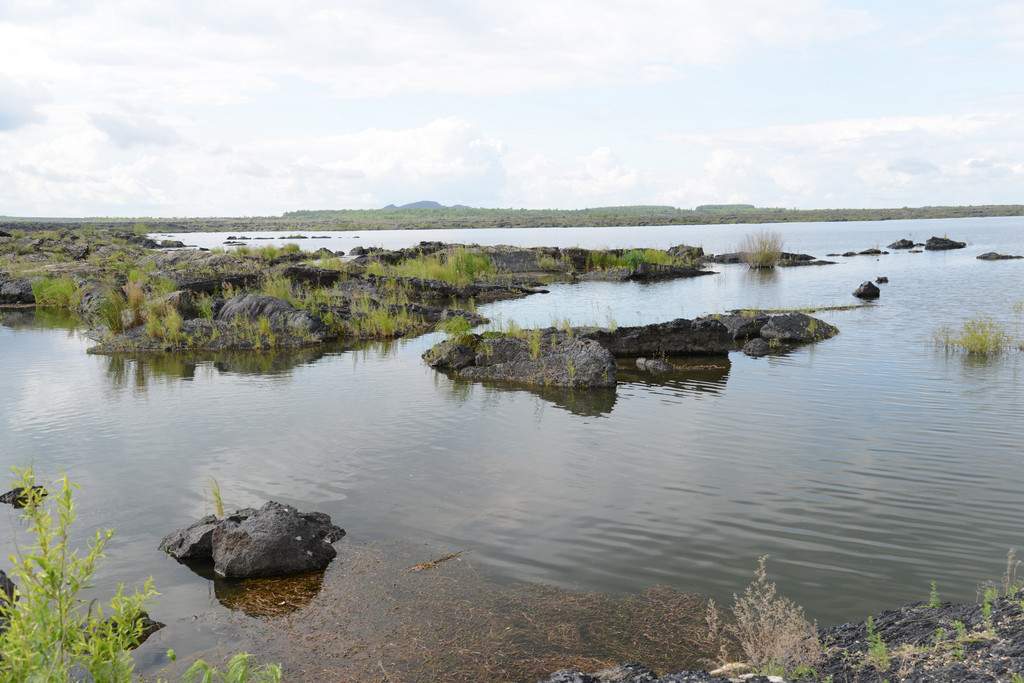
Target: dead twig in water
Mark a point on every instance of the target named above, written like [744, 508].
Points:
[423, 566]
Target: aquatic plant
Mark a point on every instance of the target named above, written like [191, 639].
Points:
[981, 335]
[761, 249]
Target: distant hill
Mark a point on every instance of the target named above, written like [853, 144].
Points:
[425, 204]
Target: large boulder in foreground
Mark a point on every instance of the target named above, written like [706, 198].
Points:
[274, 540]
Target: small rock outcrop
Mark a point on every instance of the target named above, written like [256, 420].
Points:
[644, 272]
[18, 497]
[7, 587]
[902, 244]
[655, 365]
[274, 540]
[704, 336]
[279, 312]
[867, 290]
[797, 328]
[570, 363]
[993, 256]
[943, 244]
[756, 348]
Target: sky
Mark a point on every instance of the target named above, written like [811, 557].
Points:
[251, 108]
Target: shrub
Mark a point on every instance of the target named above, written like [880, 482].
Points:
[50, 637]
[762, 249]
[772, 629]
[48, 633]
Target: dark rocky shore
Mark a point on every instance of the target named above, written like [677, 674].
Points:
[918, 643]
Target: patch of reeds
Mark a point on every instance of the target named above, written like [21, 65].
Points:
[762, 249]
[58, 292]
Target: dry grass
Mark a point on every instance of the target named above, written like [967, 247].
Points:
[771, 628]
[762, 249]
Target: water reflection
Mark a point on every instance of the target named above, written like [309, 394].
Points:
[262, 597]
[578, 401]
[47, 318]
[137, 372]
[696, 376]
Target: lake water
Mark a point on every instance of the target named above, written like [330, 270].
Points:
[868, 465]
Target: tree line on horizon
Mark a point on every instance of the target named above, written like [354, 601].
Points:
[466, 217]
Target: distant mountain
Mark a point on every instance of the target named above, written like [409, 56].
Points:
[426, 204]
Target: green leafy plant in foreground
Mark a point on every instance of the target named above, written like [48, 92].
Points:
[48, 633]
[238, 671]
[933, 597]
[878, 653]
[51, 637]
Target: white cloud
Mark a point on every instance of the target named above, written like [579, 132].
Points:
[447, 159]
[19, 104]
[132, 129]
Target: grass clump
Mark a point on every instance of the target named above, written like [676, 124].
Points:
[456, 267]
[762, 249]
[58, 292]
[458, 329]
[981, 335]
[772, 629]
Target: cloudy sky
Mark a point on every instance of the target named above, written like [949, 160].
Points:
[253, 107]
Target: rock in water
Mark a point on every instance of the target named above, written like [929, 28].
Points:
[655, 365]
[195, 542]
[277, 539]
[274, 540]
[797, 328]
[942, 244]
[867, 290]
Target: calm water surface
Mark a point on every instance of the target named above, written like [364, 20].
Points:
[868, 465]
